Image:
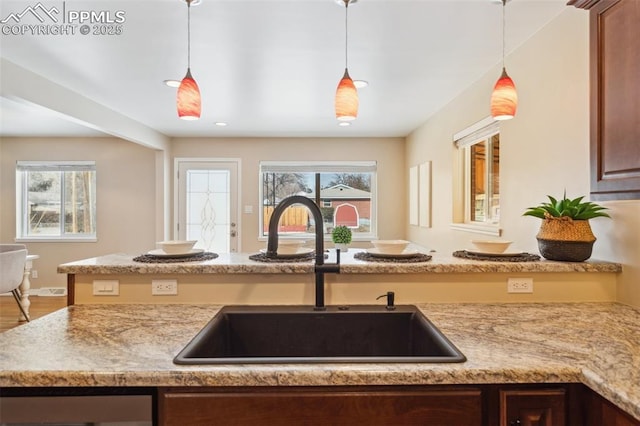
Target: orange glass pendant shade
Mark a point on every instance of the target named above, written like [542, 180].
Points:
[346, 102]
[189, 102]
[504, 99]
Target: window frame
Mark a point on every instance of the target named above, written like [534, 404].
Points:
[22, 197]
[321, 167]
[482, 131]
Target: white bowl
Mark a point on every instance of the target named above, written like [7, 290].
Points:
[289, 246]
[390, 246]
[491, 246]
[177, 246]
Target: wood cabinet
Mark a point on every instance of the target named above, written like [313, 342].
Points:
[504, 405]
[321, 406]
[438, 405]
[615, 97]
[459, 405]
[600, 412]
[532, 407]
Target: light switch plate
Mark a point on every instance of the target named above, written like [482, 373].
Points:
[106, 287]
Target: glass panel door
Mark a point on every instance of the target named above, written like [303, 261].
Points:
[207, 204]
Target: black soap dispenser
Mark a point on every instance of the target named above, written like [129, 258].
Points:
[391, 297]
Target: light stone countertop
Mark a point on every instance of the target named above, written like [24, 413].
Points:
[597, 344]
[239, 263]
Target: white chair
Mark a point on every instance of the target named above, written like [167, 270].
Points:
[12, 260]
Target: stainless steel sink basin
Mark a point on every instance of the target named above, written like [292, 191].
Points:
[300, 334]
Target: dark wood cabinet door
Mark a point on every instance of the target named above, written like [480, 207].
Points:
[615, 99]
[600, 412]
[533, 407]
[321, 407]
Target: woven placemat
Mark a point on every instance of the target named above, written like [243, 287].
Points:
[367, 257]
[262, 257]
[518, 257]
[149, 258]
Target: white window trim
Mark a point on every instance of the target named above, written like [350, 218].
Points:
[483, 129]
[480, 130]
[477, 228]
[91, 239]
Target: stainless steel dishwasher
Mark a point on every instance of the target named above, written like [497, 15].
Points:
[71, 410]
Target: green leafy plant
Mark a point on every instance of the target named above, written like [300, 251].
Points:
[341, 235]
[575, 209]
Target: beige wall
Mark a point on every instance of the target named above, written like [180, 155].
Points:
[127, 189]
[125, 198]
[255, 289]
[619, 241]
[388, 152]
[544, 149]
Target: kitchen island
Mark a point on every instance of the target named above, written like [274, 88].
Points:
[233, 278]
[128, 345]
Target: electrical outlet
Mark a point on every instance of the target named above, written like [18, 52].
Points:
[164, 287]
[106, 287]
[520, 285]
[34, 273]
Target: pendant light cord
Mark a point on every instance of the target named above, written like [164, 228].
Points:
[188, 33]
[346, 33]
[504, 2]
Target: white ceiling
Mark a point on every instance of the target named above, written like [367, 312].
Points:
[270, 67]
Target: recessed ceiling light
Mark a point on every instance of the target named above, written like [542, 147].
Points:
[221, 123]
[172, 83]
[344, 124]
[360, 83]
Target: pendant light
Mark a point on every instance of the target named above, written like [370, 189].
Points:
[346, 102]
[504, 99]
[188, 99]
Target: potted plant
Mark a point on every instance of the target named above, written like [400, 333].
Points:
[565, 233]
[341, 237]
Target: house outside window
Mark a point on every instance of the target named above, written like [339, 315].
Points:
[345, 192]
[479, 177]
[56, 200]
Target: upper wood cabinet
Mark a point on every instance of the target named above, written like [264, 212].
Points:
[615, 97]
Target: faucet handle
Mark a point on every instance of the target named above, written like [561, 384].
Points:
[391, 296]
[337, 256]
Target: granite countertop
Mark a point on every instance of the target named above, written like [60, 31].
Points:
[239, 263]
[597, 344]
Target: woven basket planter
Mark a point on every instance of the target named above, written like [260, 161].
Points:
[564, 239]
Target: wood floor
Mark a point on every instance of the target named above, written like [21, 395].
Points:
[40, 306]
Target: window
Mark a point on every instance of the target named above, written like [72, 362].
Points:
[345, 192]
[479, 175]
[56, 200]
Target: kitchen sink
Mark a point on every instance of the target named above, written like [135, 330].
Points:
[300, 334]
